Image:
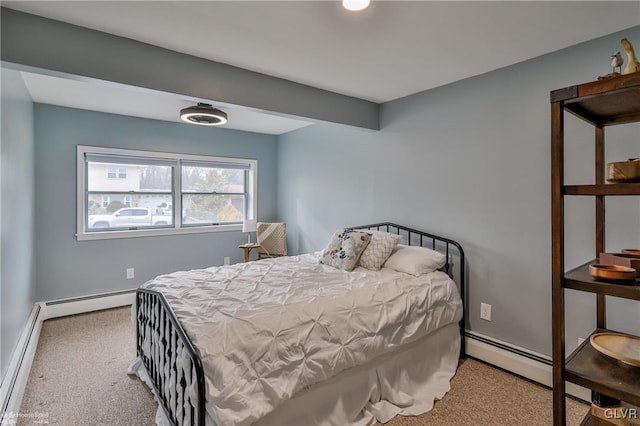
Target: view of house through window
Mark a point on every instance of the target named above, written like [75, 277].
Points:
[212, 194]
[126, 192]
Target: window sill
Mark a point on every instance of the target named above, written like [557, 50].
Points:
[110, 235]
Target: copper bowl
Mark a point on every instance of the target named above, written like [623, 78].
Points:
[631, 252]
[612, 272]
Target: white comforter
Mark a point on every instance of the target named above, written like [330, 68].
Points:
[269, 329]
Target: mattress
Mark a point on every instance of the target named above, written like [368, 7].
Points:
[272, 329]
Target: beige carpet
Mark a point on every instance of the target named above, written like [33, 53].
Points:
[79, 375]
[79, 378]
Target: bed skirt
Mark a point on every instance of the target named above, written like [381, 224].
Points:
[406, 381]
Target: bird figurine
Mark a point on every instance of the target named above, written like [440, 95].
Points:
[616, 62]
[632, 63]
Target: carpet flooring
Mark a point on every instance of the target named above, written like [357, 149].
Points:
[79, 378]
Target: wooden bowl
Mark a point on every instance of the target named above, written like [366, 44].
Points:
[612, 272]
[624, 171]
[622, 347]
[631, 253]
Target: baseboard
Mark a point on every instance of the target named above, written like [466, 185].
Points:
[17, 374]
[523, 362]
[81, 305]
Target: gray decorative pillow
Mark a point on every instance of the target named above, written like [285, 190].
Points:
[345, 248]
[378, 250]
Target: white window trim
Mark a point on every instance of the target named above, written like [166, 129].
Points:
[81, 235]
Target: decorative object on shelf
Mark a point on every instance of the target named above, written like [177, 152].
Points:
[632, 63]
[624, 171]
[631, 252]
[616, 62]
[620, 259]
[612, 272]
[622, 347]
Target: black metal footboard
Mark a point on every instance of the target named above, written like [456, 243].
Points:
[444, 245]
[173, 365]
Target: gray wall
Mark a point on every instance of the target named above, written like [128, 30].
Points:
[471, 161]
[66, 267]
[17, 200]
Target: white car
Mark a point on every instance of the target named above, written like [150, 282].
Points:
[128, 217]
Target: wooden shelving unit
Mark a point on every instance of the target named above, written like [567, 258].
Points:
[601, 103]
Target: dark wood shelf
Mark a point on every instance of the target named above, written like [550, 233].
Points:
[601, 103]
[579, 279]
[605, 189]
[589, 368]
[604, 102]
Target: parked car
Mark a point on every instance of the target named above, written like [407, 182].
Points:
[128, 217]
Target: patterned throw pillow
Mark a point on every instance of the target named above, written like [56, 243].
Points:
[378, 250]
[345, 248]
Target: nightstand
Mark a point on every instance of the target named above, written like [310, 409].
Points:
[247, 247]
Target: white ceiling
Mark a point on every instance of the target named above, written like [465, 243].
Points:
[392, 49]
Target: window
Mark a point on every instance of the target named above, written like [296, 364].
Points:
[126, 193]
[212, 193]
[116, 172]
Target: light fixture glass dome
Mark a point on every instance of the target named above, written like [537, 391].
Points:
[355, 5]
[203, 115]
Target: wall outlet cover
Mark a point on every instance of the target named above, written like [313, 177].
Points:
[485, 311]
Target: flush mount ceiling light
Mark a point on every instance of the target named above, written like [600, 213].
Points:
[355, 5]
[204, 115]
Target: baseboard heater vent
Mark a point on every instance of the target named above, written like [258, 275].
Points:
[12, 376]
[84, 298]
[509, 348]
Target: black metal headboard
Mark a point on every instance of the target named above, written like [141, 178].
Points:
[449, 247]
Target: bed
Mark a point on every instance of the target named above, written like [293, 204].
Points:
[293, 341]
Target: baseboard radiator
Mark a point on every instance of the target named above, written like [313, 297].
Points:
[17, 373]
[520, 361]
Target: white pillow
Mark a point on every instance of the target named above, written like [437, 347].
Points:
[378, 250]
[415, 260]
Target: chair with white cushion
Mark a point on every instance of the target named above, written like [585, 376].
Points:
[272, 238]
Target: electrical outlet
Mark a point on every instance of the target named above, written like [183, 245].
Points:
[131, 273]
[485, 311]
[227, 260]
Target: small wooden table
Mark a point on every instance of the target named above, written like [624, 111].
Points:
[247, 247]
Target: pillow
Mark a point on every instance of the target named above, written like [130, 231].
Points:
[378, 250]
[345, 248]
[415, 260]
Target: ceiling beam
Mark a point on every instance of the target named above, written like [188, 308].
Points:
[34, 41]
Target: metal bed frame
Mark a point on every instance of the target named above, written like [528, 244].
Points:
[173, 363]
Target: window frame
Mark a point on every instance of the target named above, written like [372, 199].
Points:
[251, 199]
